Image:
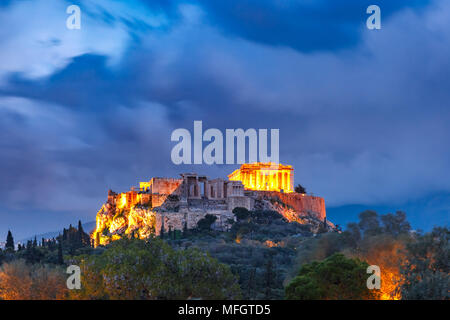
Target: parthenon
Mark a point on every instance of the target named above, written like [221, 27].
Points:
[265, 177]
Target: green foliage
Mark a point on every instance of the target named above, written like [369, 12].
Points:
[300, 189]
[335, 278]
[241, 213]
[261, 269]
[369, 223]
[9, 247]
[205, 223]
[427, 267]
[138, 269]
[73, 241]
[395, 224]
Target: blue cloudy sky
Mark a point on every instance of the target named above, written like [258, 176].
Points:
[363, 114]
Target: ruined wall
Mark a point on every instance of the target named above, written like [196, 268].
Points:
[243, 202]
[165, 185]
[158, 199]
[176, 220]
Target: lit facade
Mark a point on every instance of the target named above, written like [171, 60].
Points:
[265, 177]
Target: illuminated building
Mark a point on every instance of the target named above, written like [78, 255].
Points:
[265, 177]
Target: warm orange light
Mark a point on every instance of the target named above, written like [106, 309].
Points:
[265, 177]
[122, 201]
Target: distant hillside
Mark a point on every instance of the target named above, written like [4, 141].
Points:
[87, 227]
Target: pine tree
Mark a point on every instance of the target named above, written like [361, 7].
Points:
[35, 242]
[60, 253]
[9, 242]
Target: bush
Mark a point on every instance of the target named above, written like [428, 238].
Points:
[20, 281]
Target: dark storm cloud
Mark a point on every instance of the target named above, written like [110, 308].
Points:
[365, 125]
[303, 25]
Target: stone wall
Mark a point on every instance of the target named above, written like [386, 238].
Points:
[176, 220]
[165, 185]
[302, 203]
[243, 202]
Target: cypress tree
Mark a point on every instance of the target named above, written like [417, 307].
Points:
[35, 242]
[9, 242]
[60, 253]
[269, 277]
[251, 283]
[161, 234]
[81, 237]
[185, 229]
[170, 232]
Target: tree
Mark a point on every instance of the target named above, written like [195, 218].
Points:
[205, 223]
[427, 267]
[300, 189]
[151, 269]
[335, 278]
[352, 236]
[185, 229]
[269, 277]
[60, 252]
[9, 242]
[241, 213]
[81, 238]
[369, 223]
[395, 224]
[161, 233]
[251, 283]
[21, 281]
[169, 233]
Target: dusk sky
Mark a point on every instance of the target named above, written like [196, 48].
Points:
[364, 115]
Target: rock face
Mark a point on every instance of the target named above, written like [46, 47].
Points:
[174, 204]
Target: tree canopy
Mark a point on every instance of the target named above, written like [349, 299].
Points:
[335, 278]
[140, 269]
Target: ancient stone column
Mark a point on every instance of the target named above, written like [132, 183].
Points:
[286, 182]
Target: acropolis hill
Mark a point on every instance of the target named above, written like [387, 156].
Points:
[174, 204]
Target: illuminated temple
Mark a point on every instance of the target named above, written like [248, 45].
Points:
[265, 177]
